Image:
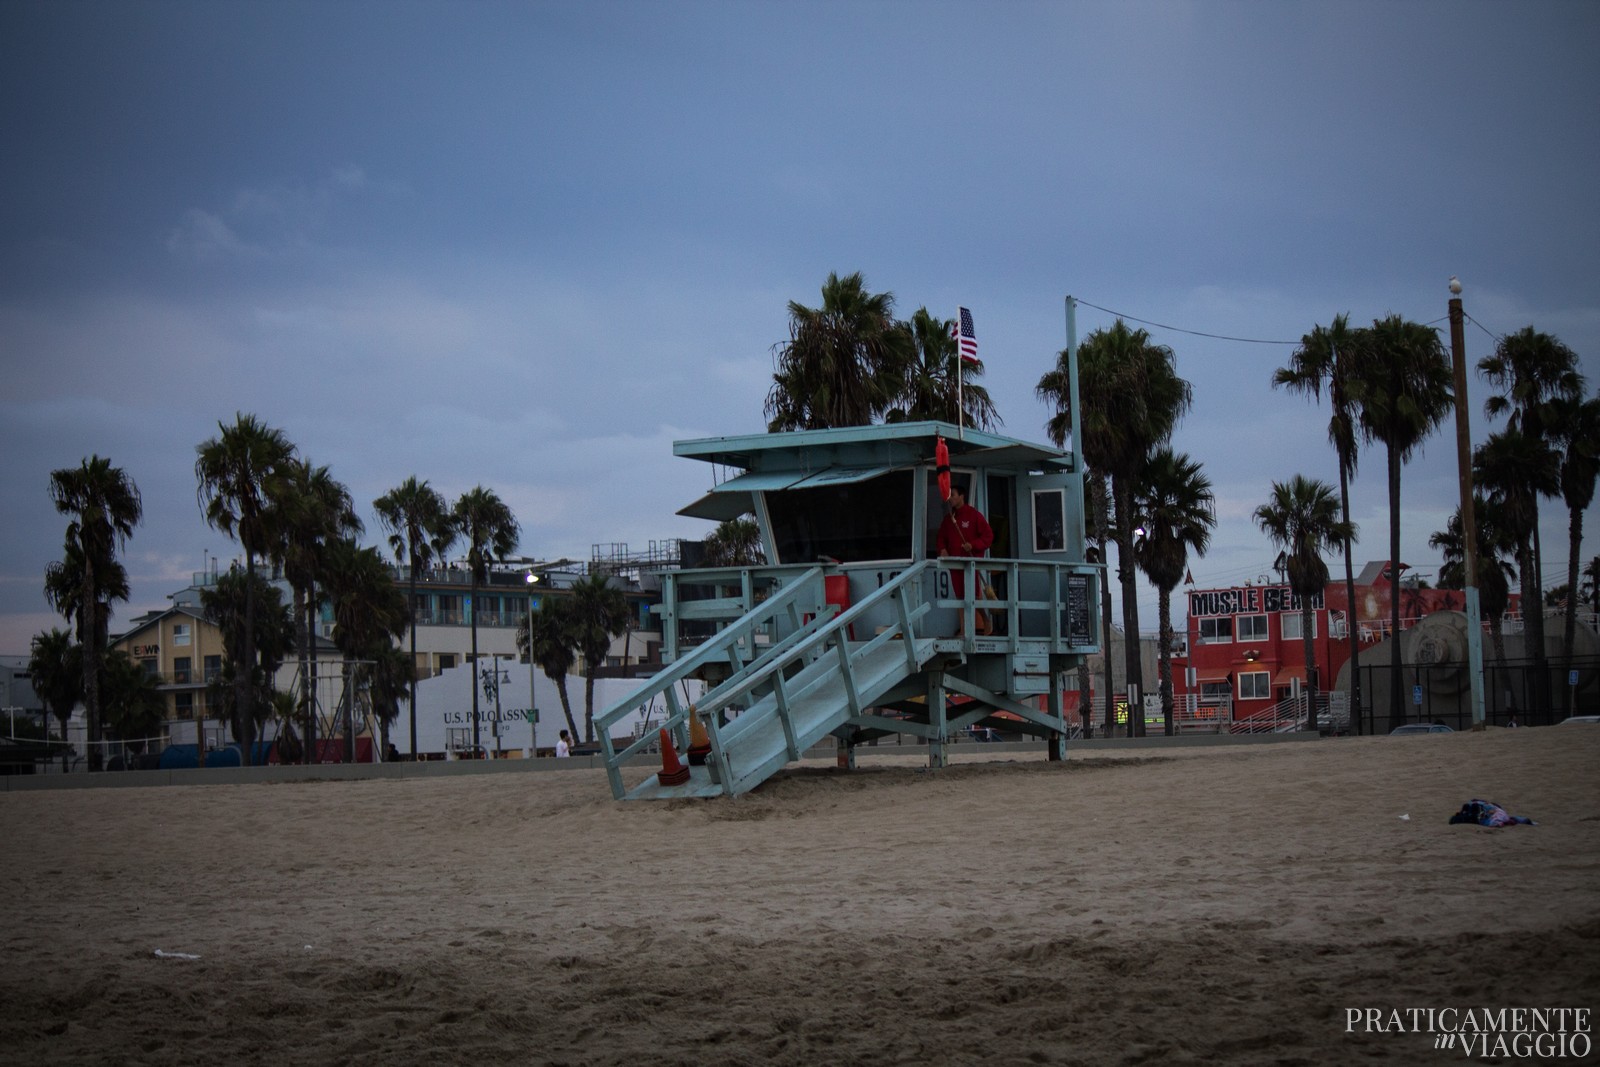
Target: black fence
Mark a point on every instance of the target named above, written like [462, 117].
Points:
[1512, 692]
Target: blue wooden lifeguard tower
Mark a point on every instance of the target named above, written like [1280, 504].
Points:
[851, 627]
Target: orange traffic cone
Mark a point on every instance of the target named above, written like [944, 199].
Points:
[699, 742]
[673, 772]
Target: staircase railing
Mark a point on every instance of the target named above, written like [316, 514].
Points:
[1287, 715]
[765, 674]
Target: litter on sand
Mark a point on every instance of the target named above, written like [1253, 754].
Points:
[165, 955]
[1488, 813]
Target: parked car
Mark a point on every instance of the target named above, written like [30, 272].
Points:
[1421, 728]
[1579, 718]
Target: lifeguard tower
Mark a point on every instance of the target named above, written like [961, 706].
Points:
[852, 626]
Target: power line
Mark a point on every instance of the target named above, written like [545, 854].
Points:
[1493, 337]
[1248, 340]
[1180, 329]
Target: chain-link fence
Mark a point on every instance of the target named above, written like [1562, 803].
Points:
[1514, 691]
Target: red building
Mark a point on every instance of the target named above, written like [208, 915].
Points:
[1245, 651]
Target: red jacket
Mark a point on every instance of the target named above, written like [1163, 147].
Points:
[966, 524]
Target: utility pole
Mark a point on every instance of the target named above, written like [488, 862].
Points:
[1469, 523]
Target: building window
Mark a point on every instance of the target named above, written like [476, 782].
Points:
[180, 634]
[180, 670]
[1217, 631]
[183, 705]
[151, 666]
[213, 668]
[447, 660]
[1215, 692]
[1252, 627]
[449, 611]
[1292, 629]
[1255, 686]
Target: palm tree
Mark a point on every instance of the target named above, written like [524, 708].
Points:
[1302, 518]
[597, 613]
[1531, 370]
[245, 607]
[1401, 380]
[1514, 469]
[735, 543]
[311, 511]
[1576, 427]
[1132, 400]
[844, 363]
[420, 532]
[135, 706]
[1175, 506]
[1591, 583]
[369, 615]
[390, 675]
[930, 390]
[64, 589]
[1325, 358]
[233, 470]
[1494, 572]
[105, 507]
[56, 669]
[490, 531]
[545, 636]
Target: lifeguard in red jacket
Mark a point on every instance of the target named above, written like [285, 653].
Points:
[964, 532]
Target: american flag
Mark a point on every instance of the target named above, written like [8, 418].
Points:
[966, 337]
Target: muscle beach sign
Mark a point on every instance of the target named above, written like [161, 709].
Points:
[1248, 600]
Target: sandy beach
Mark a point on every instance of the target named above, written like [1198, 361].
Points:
[1216, 905]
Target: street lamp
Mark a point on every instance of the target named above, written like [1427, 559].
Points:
[532, 579]
[1469, 523]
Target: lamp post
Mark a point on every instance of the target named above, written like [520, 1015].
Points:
[1469, 523]
[532, 579]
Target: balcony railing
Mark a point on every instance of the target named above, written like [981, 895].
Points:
[464, 618]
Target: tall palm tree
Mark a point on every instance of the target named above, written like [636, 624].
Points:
[1132, 400]
[312, 512]
[233, 470]
[1576, 427]
[1531, 370]
[1494, 573]
[1325, 359]
[1176, 510]
[369, 615]
[844, 363]
[1402, 382]
[1302, 518]
[597, 612]
[930, 390]
[420, 532]
[64, 589]
[490, 531]
[105, 506]
[545, 636]
[56, 670]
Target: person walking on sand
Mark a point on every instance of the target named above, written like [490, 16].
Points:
[563, 746]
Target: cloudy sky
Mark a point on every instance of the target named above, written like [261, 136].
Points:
[528, 245]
